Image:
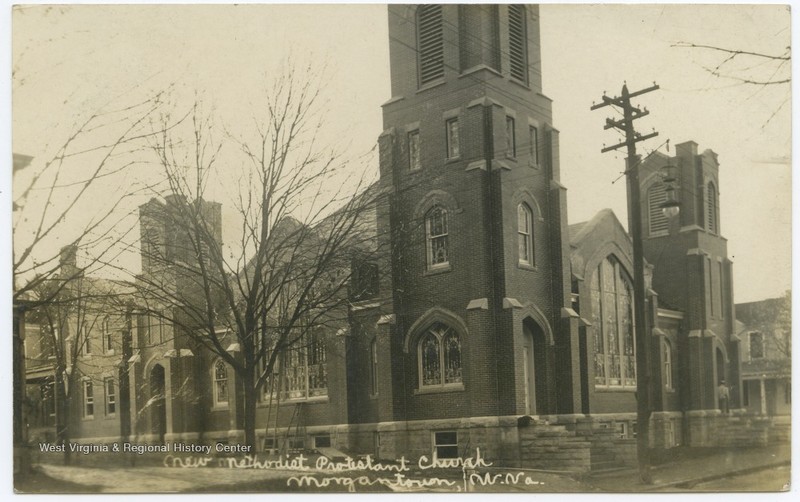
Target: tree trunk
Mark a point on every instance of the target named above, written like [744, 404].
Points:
[62, 414]
[250, 396]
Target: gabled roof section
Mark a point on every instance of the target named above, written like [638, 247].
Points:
[579, 231]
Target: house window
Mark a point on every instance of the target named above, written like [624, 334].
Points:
[756, 345]
[451, 128]
[445, 444]
[533, 132]
[88, 399]
[373, 357]
[437, 238]
[745, 393]
[511, 137]
[305, 369]
[439, 357]
[107, 338]
[220, 388]
[612, 316]
[711, 210]
[667, 365]
[525, 234]
[414, 162]
[517, 43]
[430, 43]
[111, 396]
[656, 196]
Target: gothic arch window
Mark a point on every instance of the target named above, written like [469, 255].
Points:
[439, 355]
[437, 238]
[612, 321]
[656, 195]
[525, 235]
[667, 363]
[518, 43]
[430, 43]
[711, 209]
[220, 384]
[373, 367]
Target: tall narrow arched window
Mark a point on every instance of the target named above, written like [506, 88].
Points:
[518, 43]
[667, 365]
[373, 367]
[525, 234]
[430, 43]
[437, 237]
[612, 316]
[220, 387]
[658, 223]
[439, 354]
[711, 208]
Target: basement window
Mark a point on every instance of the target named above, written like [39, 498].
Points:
[323, 441]
[445, 444]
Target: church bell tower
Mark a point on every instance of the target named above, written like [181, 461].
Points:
[475, 217]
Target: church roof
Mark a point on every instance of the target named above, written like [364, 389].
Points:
[579, 231]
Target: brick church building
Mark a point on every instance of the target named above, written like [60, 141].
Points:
[498, 325]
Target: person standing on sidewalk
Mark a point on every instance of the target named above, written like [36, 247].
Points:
[723, 393]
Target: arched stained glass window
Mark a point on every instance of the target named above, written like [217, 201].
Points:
[612, 320]
[440, 357]
[220, 383]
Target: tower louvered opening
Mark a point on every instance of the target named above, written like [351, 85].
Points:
[517, 43]
[430, 45]
[656, 197]
[711, 212]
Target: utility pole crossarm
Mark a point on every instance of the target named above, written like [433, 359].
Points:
[636, 139]
[620, 124]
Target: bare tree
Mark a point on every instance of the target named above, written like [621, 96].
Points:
[770, 69]
[64, 201]
[750, 68]
[282, 283]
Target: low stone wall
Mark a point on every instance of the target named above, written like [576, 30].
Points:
[715, 429]
[553, 447]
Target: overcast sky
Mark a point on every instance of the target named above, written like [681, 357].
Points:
[69, 60]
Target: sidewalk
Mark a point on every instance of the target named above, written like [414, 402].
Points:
[686, 472]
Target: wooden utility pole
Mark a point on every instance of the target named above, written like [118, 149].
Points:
[643, 364]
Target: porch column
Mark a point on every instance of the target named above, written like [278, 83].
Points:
[763, 396]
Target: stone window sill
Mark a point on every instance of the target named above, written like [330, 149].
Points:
[438, 389]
